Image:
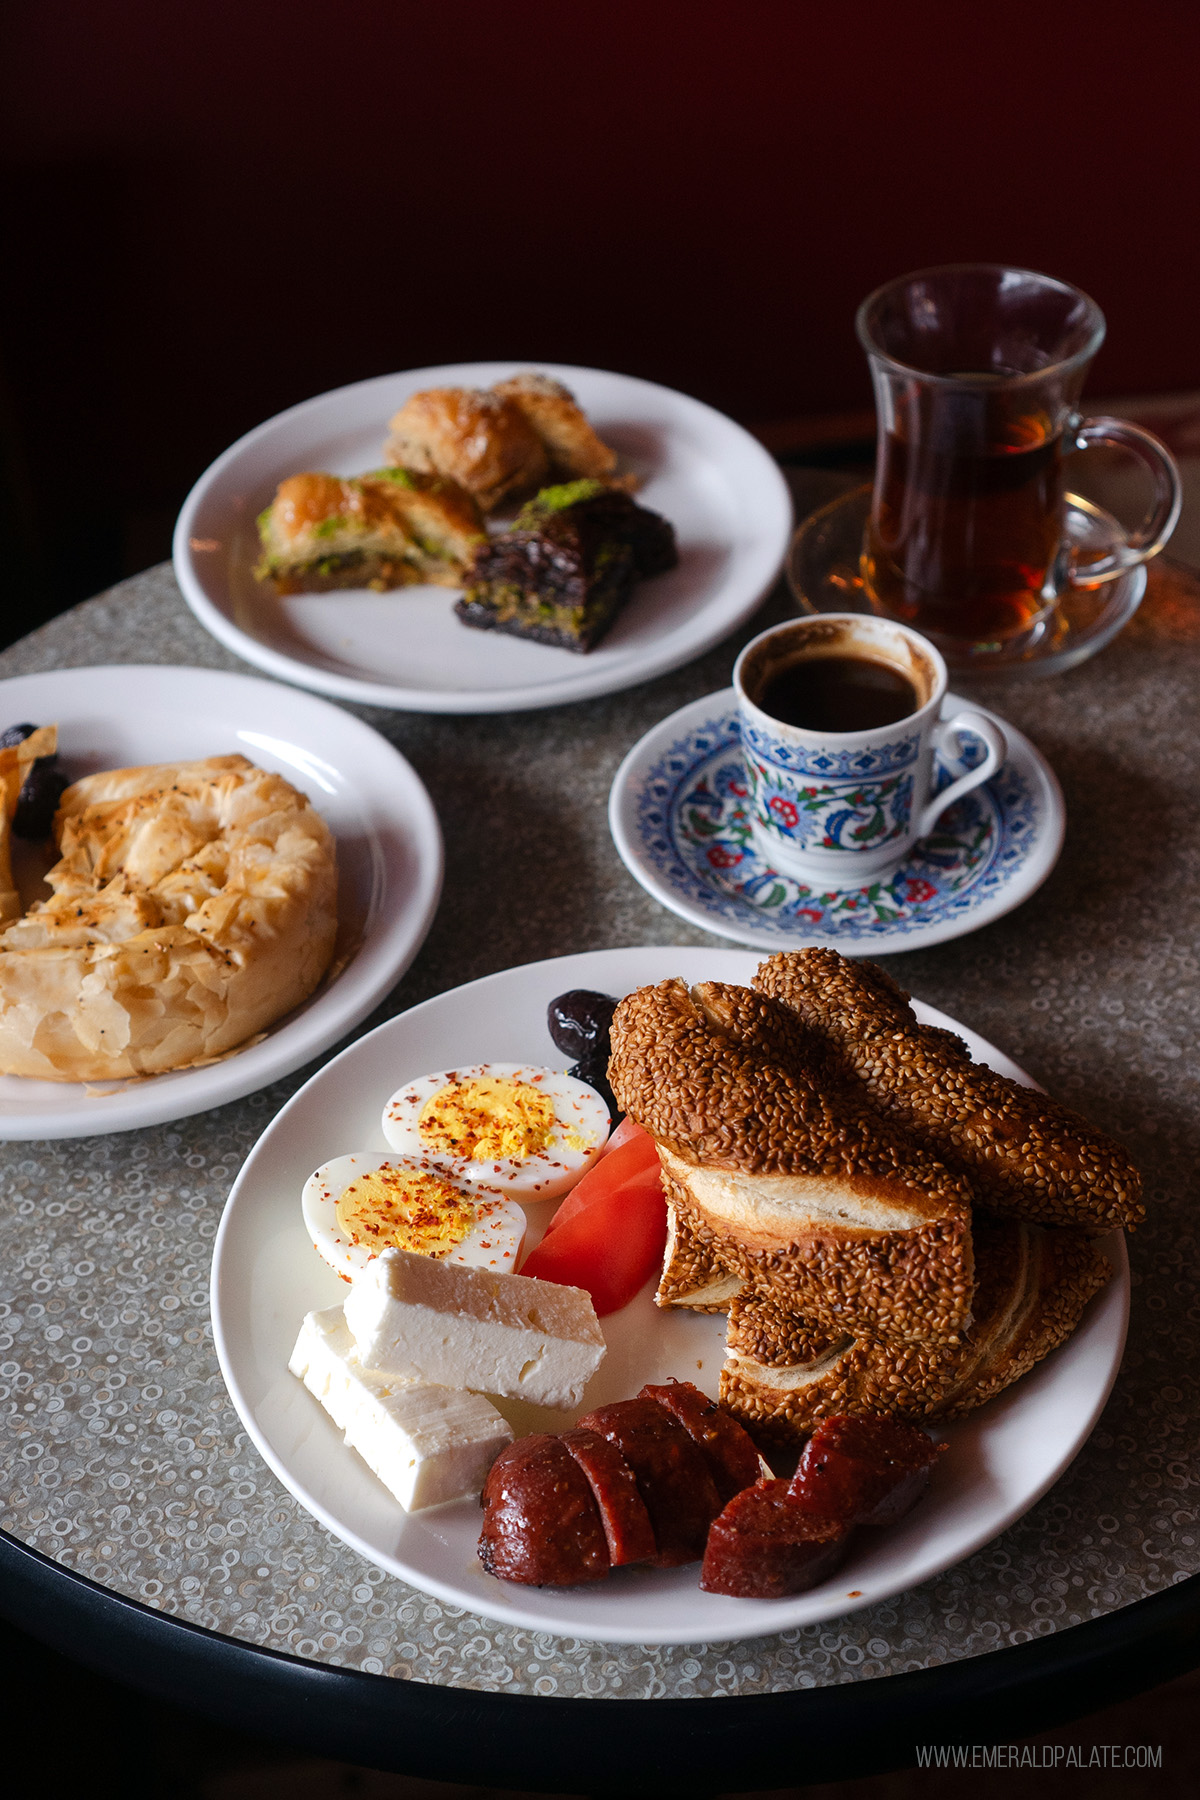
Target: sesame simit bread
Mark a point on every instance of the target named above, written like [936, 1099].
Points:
[796, 1183]
[783, 1374]
[693, 1273]
[1026, 1155]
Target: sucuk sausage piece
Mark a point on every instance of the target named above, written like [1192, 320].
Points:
[614, 1488]
[764, 1546]
[541, 1525]
[672, 1476]
[868, 1471]
[726, 1446]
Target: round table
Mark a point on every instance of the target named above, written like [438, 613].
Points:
[142, 1534]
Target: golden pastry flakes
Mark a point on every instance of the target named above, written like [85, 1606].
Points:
[193, 905]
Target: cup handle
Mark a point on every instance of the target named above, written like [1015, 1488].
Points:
[943, 732]
[1119, 434]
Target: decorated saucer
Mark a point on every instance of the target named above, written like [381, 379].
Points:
[679, 817]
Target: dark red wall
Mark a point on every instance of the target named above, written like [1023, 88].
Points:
[214, 210]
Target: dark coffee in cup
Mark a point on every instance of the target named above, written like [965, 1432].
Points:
[837, 693]
[840, 720]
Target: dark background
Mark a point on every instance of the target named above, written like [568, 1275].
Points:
[210, 212]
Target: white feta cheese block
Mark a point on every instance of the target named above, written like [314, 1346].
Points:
[475, 1328]
[426, 1444]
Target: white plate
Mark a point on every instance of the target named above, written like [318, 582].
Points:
[389, 859]
[726, 498]
[677, 813]
[266, 1275]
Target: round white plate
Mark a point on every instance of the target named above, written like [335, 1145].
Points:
[389, 860]
[266, 1276]
[678, 816]
[726, 498]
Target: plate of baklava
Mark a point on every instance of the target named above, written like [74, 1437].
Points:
[870, 1211]
[483, 537]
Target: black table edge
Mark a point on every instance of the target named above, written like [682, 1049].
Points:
[590, 1746]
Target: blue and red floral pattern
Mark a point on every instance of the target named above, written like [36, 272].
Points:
[693, 825]
[831, 815]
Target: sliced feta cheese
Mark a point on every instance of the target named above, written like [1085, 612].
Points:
[475, 1328]
[426, 1444]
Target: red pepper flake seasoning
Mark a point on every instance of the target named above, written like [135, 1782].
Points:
[413, 1209]
[488, 1118]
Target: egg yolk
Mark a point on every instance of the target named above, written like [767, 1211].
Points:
[408, 1208]
[489, 1119]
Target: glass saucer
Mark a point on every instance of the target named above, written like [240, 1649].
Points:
[823, 573]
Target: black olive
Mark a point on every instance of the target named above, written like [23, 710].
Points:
[38, 800]
[594, 1070]
[579, 1023]
[16, 734]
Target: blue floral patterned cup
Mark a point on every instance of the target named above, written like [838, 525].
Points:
[836, 809]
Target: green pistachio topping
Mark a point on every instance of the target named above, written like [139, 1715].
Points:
[401, 477]
[567, 493]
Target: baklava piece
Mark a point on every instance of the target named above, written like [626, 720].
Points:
[573, 449]
[568, 565]
[477, 438]
[388, 529]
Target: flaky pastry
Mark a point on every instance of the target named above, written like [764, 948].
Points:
[476, 437]
[193, 905]
[572, 446]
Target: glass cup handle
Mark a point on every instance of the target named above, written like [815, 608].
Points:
[944, 732]
[1119, 434]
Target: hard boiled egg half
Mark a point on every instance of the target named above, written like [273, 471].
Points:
[529, 1131]
[358, 1205]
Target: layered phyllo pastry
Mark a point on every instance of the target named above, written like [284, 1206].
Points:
[388, 529]
[502, 443]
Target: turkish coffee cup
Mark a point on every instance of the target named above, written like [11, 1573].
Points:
[840, 717]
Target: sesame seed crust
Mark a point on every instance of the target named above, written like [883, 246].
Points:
[910, 1286]
[1026, 1155]
[693, 1274]
[783, 1375]
[786, 1178]
[1065, 1267]
[722, 1103]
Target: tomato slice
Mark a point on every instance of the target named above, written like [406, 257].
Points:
[628, 1131]
[609, 1234]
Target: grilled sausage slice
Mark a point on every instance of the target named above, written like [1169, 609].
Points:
[864, 1470]
[764, 1546]
[726, 1446]
[541, 1524]
[672, 1475]
[614, 1488]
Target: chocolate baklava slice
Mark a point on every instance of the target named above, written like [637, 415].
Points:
[568, 565]
[391, 528]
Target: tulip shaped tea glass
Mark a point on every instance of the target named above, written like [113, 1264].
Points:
[978, 371]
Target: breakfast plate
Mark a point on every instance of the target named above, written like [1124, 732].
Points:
[678, 816]
[389, 861]
[725, 496]
[266, 1276]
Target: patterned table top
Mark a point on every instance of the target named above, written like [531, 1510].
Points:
[122, 1457]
